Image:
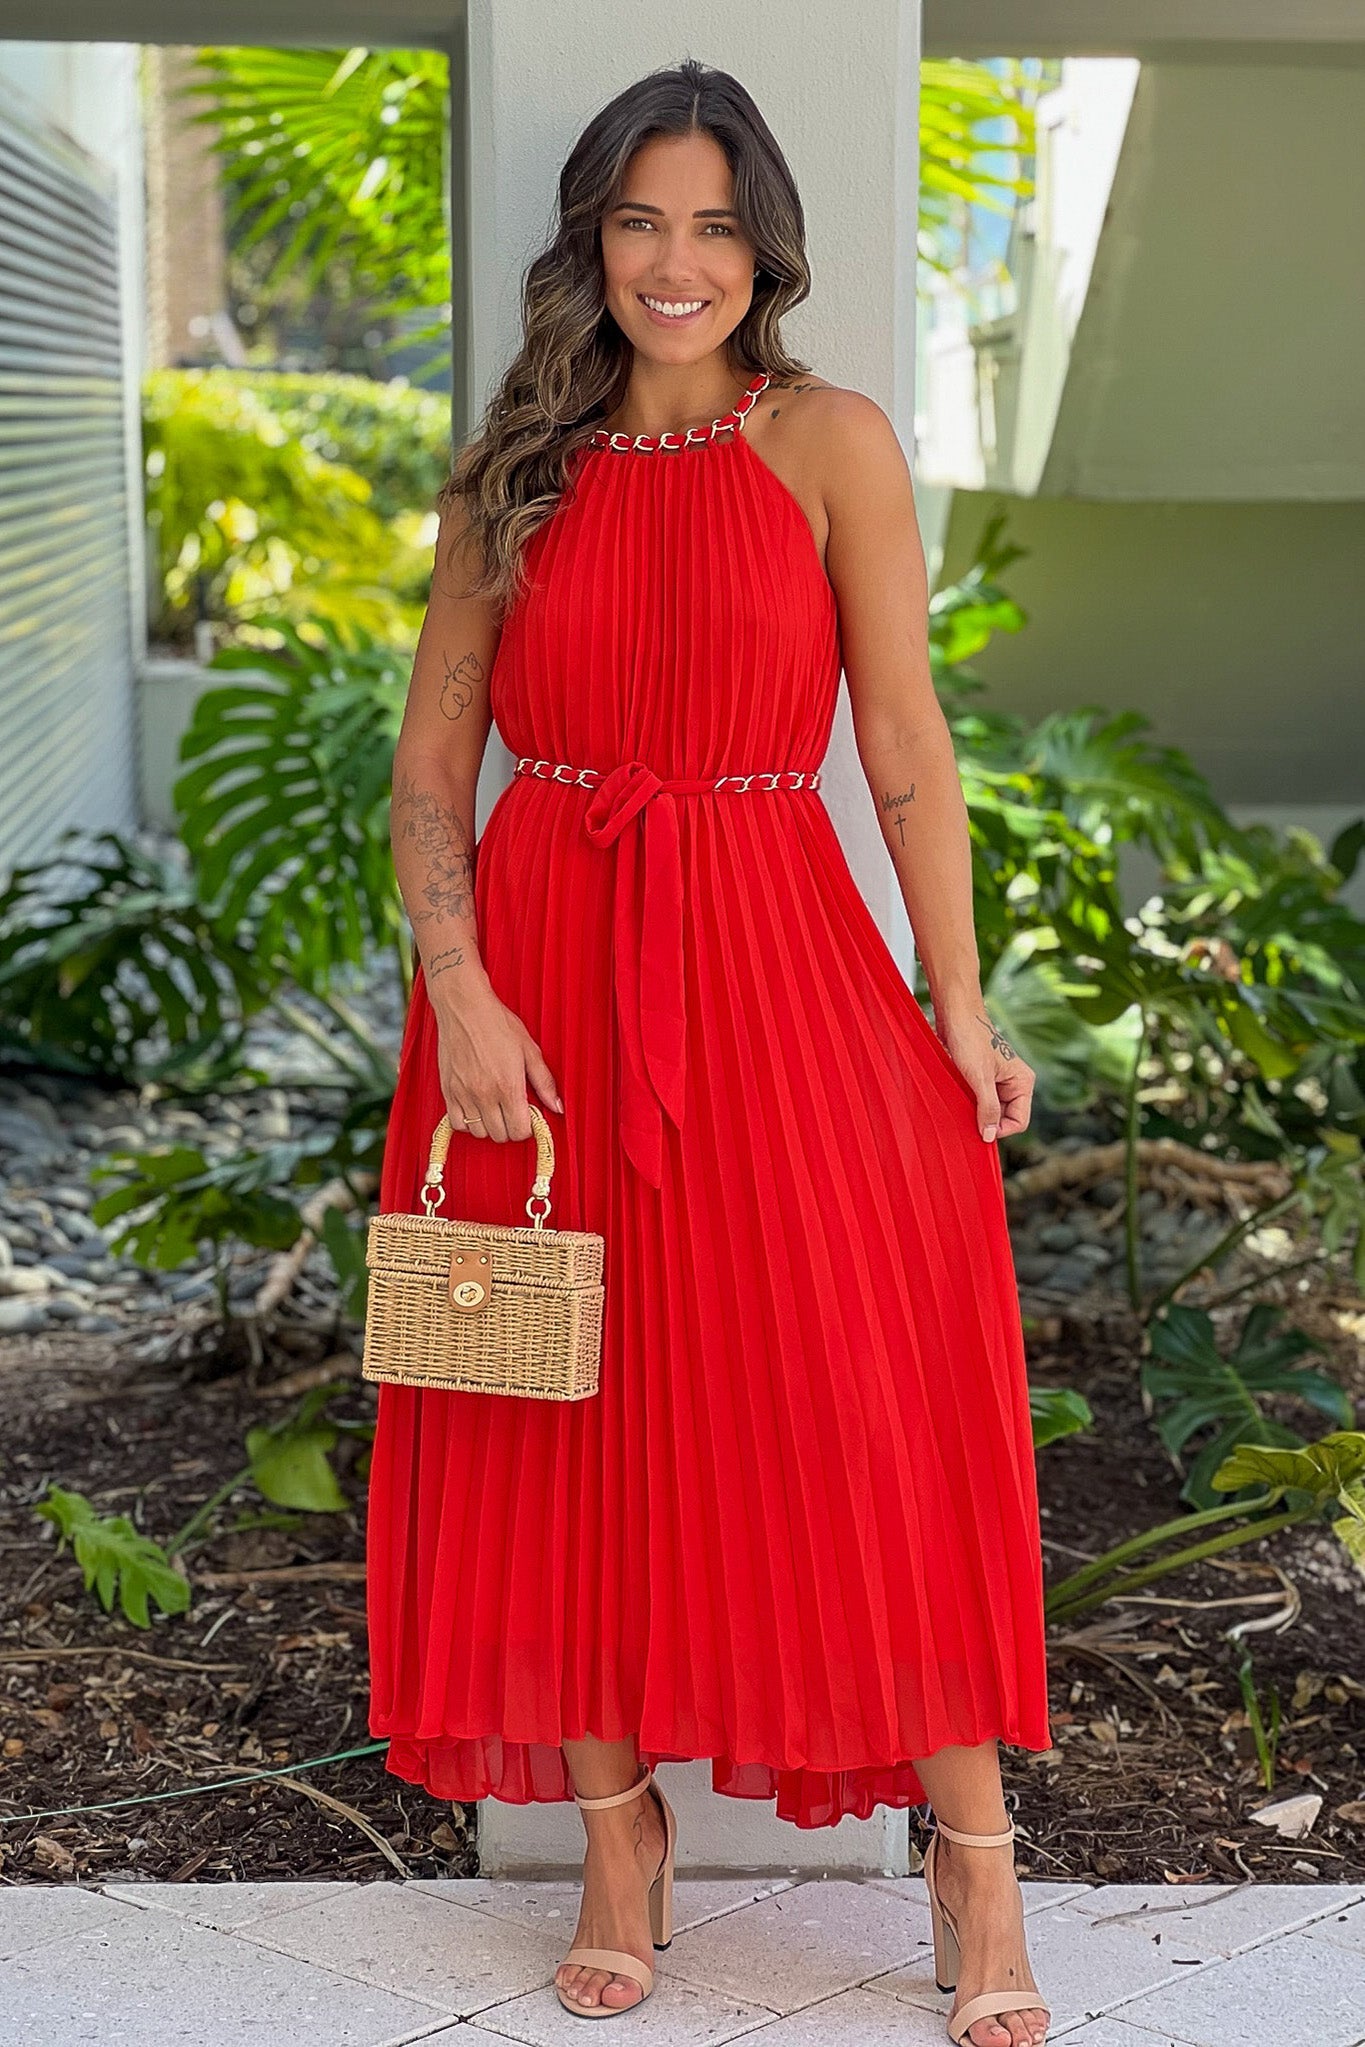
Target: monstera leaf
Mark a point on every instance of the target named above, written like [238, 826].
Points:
[1196, 1389]
[1333, 1468]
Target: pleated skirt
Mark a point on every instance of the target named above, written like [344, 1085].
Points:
[795, 1533]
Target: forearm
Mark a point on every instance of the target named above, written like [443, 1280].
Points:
[432, 834]
[914, 781]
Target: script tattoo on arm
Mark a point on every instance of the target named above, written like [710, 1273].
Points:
[999, 1042]
[438, 832]
[457, 690]
[899, 804]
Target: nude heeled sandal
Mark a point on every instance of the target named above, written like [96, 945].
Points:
[947, 1951]
[660, 1913]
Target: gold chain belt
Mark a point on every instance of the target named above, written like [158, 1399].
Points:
[647, 927]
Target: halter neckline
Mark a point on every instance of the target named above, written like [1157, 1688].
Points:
[695, 436]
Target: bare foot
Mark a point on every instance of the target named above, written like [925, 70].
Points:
[980, 1889]
[624, 1852]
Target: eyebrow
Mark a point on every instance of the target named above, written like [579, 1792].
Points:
[702, 212]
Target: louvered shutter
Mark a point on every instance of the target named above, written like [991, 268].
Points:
[66, 656]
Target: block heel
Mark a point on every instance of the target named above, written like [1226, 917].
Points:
[948, 1948]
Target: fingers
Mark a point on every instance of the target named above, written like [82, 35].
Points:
[1015, 1089]
[541, 1079]
[1004, 1101]
[505, 1116]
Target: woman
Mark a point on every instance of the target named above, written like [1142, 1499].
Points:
[796, 1529]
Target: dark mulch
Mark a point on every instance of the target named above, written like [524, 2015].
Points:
[1155, 1774]
[256, 1676]
[1153, 1780]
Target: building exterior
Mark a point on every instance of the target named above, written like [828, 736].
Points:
[1169, 410]
[71, 555]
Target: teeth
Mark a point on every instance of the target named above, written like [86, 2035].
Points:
[677, 310]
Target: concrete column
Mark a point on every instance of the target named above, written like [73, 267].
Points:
[839, 88]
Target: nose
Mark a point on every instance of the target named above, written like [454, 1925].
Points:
[674, 265]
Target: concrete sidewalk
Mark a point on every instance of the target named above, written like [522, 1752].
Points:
[816, 1963]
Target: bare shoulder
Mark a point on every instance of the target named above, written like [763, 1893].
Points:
[829, 431]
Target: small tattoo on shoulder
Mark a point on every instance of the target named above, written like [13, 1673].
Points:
[792, 385]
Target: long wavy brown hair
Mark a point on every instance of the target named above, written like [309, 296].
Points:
[574, 362]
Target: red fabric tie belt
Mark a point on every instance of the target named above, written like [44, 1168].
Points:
[647, 928]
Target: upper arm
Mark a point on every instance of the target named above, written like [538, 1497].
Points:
[875, 562]
[448, 712]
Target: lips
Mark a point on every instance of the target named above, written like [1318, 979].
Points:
[672, 319]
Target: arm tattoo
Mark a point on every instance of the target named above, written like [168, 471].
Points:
[457, 690]
[898, 804]
[999, 1042]
[438, 832]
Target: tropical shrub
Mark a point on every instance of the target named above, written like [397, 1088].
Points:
[110, 965]
[958, 101]
[1200, 1392]
[284, 802]
[1228, 1010]
[339, 157]
[250, 521]
[394, 435]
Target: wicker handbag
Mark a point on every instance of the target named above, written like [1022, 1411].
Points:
[484, 1307]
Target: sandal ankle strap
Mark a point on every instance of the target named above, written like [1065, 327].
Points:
[975, 1840]
[616, 1797]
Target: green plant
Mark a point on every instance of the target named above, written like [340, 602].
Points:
[348, 146]
[1197, 1389]
[1057, 1411]
[111, 965]
[284, 802]
[114, 1558]
[392, 434]
[1229, 1009]
[1328, 1188]
[1302, 1484]
[251, 522]
[289, 1464]
[957, 101]
[1266, 1736]
[174, 1202]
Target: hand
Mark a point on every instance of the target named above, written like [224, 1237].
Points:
[485, 1058]
[997, 1076]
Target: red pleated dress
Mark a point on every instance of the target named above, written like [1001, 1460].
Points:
[795, 1532]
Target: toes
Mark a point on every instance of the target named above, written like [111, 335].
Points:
[581, 1984]
[993, 2034]
[595, 1986]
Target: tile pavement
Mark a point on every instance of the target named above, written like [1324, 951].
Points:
[837, 1962]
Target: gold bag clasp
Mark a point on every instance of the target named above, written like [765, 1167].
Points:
[471, 1278]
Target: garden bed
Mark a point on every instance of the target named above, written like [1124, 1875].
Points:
[1153, 1779]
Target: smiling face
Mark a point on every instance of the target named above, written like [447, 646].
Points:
[679, 267]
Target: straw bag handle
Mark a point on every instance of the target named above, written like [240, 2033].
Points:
[433, 1187]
